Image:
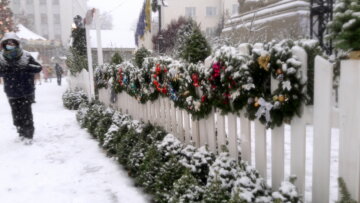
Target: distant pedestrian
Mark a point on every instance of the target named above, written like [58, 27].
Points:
[18, 68]
[45, 74]
[59, 71]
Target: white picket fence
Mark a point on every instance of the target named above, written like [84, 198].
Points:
[235, 132]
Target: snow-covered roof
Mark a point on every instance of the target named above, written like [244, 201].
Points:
[25, 33]
[280, 10]
[113, 39]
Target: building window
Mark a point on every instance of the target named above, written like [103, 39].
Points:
[44, 19]
[29, 2]
[42, 2]
[190, 11]
[55, 2]
[235, 9]
[30, 21]
[56, 18]
[210, 11]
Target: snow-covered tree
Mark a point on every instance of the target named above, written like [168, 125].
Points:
[186, 189]
[198, 161]
[140, 55]
[116, 59]
[76, 60]
[196, 47]
[170, 35]
[6, 18]
[345, 28]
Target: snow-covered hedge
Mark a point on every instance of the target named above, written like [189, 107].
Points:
[73, 99]
[172, 171]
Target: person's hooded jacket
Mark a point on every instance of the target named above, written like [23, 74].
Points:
[18, 68]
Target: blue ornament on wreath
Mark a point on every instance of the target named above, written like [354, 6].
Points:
[125, 80]
[173, 95]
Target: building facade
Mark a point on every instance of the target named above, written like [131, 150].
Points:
[210, 14]
[51, 19]
[261, 21]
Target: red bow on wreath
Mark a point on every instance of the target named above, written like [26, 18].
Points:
[195, 78]
[120, 76]
[158, 88]
[203, 98]
[216, 70]
[157, 69]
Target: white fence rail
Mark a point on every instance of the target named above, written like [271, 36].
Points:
[236, 132]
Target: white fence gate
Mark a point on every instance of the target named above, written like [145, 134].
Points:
[236, 132]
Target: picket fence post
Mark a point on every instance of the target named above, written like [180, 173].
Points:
[173, 119]
[220, 129]
[202, 132]
[298, 152]
[195, 132]
[322, 130]
[210, 127]
[349, 161]
[187, 127]
[245, 137]
[277, 156]
[260, 149]
[232, 136]
[180, 125]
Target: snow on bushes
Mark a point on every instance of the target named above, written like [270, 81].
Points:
[73, 99]
[171, 171]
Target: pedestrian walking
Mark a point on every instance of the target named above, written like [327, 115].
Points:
[59, 71]
[18, 68]
[45, 73]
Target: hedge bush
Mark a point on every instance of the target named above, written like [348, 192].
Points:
[171, 171]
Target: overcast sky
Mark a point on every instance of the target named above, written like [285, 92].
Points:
[125, 13]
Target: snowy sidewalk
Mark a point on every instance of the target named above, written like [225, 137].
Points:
[64, 165]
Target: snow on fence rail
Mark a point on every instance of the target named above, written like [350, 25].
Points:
[236, 132]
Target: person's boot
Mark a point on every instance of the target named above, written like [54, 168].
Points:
[21, 136]
[28, 136]
[28, 141]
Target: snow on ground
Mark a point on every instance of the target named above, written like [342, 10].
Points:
[63, 165]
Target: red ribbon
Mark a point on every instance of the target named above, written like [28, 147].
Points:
[158, 69]
[203, 99]
[195, 78]
[216, 70]
[120, 76]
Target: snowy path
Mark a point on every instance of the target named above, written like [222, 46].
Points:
[63, 165]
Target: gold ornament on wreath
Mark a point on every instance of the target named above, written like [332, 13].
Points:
[264, 62]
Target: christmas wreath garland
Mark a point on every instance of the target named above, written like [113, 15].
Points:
[273, 108]
[159, 79]
[194, 92]
[229, 79]
[234, 80]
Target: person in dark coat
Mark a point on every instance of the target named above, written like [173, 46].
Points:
[59, 71]
[18, 68]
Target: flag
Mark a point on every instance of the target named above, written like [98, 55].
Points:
[148, 16]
